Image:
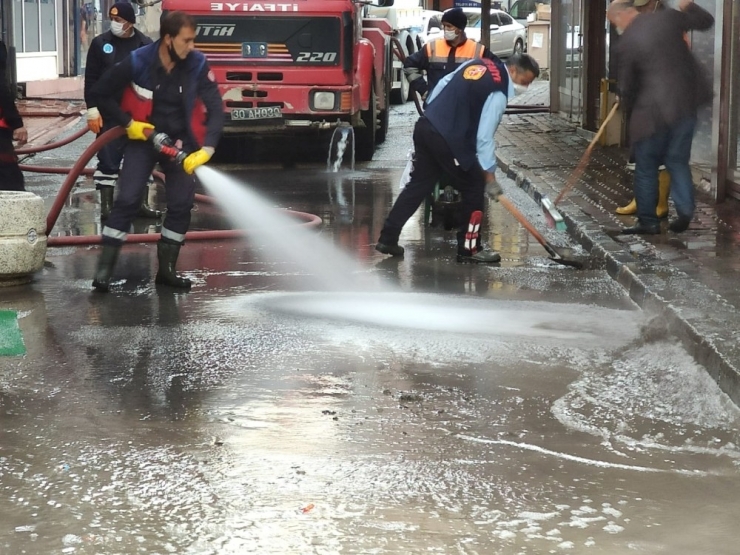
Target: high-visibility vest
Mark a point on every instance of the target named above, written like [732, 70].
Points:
[438, 53]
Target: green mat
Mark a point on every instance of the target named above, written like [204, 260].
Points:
[11, 340]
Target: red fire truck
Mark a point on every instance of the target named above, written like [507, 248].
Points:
[298, 66]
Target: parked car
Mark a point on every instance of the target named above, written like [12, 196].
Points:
[507, 36]
[522, 9]
[431, 28]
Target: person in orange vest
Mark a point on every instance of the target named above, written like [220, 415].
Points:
[443, 56]
[11, 129]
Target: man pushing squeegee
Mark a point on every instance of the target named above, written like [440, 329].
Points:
[455, 136]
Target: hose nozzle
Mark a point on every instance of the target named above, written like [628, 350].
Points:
[164, 145]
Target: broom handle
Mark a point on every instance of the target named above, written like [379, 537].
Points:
[586, 155]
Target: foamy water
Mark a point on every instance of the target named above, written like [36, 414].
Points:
[435, 317]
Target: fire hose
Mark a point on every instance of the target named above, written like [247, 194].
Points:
[309, 220]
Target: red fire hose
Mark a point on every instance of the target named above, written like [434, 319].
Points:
[51, 146]
[309, 220]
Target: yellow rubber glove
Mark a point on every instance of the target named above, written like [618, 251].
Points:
[135, 130]
[196, 159]
[94, 120]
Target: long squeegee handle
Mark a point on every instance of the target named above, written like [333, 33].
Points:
[528, 226]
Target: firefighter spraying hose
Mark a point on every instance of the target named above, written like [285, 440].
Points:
[168, 88]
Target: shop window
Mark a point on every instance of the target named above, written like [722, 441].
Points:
[18, 25]
[48, 26]
[31, 37]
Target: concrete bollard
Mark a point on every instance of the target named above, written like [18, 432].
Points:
[22, 236]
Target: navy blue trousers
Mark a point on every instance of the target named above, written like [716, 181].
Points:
[433, 159]
[138, 162]
[110, 156]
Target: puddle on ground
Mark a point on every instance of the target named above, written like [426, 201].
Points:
[385, 423]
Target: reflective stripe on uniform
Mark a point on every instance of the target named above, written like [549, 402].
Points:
[114, 234]
[169, 234]
[142, 92]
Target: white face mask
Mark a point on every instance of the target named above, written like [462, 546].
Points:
[450, 35]
[117, 28]
[519, 89]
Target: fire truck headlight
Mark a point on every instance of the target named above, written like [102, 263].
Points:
[323, 100]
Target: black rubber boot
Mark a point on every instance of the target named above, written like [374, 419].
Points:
[106, 263]
[167, 253]
[481, 255]
[106, 201]
[393, 250]
[145, 211]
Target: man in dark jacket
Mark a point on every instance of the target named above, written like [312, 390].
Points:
[662, 86]
[11, 128]
[455, 137]
[442, 56]
[168, 87]
[106, 50]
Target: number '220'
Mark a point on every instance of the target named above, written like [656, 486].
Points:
[316, 57]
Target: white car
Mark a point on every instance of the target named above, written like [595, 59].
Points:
[507, 36]
[522, 10]
[431, 28]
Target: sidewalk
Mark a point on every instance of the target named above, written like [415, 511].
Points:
[47, 118]
[688, 278]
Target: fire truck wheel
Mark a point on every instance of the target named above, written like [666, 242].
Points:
[383, 122]
[365, 136]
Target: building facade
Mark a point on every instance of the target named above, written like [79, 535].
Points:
[582, 42]
[48, 39]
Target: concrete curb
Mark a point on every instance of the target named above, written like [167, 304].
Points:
[694, 313]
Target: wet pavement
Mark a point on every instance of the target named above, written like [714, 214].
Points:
[688, 277]
[444, 408]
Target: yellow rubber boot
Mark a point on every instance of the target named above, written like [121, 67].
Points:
[628, 209]
[664, 190]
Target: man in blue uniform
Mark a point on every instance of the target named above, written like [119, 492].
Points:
[106, 50]
[455, 137]
[169, 87]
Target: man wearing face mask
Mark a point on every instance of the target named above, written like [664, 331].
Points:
[105, 51]
[455, 137]
[444, 55]
[168, 87]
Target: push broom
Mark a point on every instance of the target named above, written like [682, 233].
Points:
[552, 215]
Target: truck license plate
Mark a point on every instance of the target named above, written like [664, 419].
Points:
[270, 112]
[254, 50]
